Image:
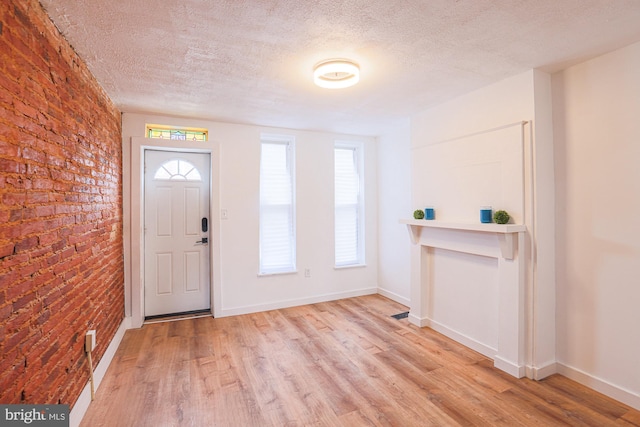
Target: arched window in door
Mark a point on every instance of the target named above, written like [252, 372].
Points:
[177, 170]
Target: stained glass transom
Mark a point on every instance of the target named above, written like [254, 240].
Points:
[177, 134]
[177, 170]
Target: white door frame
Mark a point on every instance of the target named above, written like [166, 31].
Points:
[138, 146]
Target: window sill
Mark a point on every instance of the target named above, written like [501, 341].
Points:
[277, 273]
[343, 267]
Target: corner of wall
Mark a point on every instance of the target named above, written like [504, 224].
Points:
[84, 401]
[543, 226]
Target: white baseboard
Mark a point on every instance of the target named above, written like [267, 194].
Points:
[454, 335]
[418, 321]
[295, 302]
[509, 367]
[490, 352]
[395, 297]
[83, 402]
[542, 372]
[620, 394]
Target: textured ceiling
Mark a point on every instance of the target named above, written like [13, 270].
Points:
[251, 61]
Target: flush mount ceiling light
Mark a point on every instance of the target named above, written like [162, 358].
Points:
[336, 74]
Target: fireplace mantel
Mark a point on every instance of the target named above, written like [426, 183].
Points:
[502, 241]
[507, 233]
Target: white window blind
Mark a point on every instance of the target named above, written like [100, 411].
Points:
[277, 207]
[349, 207]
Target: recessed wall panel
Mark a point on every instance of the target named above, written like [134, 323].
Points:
[465, 287]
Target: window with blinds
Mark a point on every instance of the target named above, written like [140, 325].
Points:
[349, 204]
[277, 206]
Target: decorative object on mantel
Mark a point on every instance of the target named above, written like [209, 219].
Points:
[429, 213]
[418, 214]
[501, 217]
[485, 214]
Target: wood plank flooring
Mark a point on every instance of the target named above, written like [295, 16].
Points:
[341, 363]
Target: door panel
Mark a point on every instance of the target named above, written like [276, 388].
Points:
[163, 277]
[192, 267]
[192, 204]
[176, 198]
[163, 216]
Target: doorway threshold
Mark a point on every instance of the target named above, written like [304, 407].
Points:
[172, 317]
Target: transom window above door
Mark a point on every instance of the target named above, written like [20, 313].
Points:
[177, 170]
[177, 133]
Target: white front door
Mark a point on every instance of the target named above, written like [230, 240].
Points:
[176, 224]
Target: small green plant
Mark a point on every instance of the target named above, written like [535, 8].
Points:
[501, 217]
[418, 214]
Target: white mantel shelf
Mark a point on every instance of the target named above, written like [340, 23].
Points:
[506, 232]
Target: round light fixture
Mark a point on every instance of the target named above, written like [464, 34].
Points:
[336, 74]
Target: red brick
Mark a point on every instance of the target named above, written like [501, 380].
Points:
[18, 289]
[47, 210]
[8, 360]
[6, 249]
[29, 153]
[82, 247]
[8, 149]
[62, 175]
[24, 109]
[18, 183]
[75, 239]
[43, 317]
[26, 244]
[5, 311]
[48, 238]
[45, 277]
[51, 110]
[37, 197]
[43, 184]
[23, 301]
[16, 338]
[68, 253]
[12, 166]
[8, 264]
[31, 227]
[10, 199]
[15, 215]
[48, 353]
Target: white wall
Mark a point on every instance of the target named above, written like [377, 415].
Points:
[465, 121]
[597, 127]
[241, 289]
[394, 196]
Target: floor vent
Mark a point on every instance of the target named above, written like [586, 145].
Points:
[399, 316]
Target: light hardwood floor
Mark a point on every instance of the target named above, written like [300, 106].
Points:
[341, 363]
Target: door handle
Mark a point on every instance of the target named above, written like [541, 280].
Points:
[204, 240]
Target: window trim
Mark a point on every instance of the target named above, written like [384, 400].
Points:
[289, 141]
[358, 148]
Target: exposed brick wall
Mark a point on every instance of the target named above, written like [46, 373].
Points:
[61, 252]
